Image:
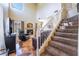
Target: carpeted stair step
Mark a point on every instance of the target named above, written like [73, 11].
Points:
[55, 52]
[68, 30]
[67, 35]
[71, 27]
[67, 41]
[48, 54]
[72, 19]
[63, 47]
[70, 23]
[75, 27]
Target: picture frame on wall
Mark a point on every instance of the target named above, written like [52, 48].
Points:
[29, 25]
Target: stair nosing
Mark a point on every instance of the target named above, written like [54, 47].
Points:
[64, 38]
[59, 43]
[67, 33]
[68, 30]
[56, 49]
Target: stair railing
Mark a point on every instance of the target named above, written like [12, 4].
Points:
[47, 29]
[55, 22]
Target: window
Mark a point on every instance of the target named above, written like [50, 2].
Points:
[18, 6]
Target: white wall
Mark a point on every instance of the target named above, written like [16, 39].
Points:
[72, 13]
[6, 18]
[2, 42]
[45, 10]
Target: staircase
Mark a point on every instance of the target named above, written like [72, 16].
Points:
[65, 40]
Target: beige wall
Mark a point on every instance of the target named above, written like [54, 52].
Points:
[28, 12]
[69, 10]
[72, 10]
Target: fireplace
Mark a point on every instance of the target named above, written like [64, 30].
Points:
[30, 31]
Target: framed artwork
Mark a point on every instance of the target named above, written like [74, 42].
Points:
[29, 25]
